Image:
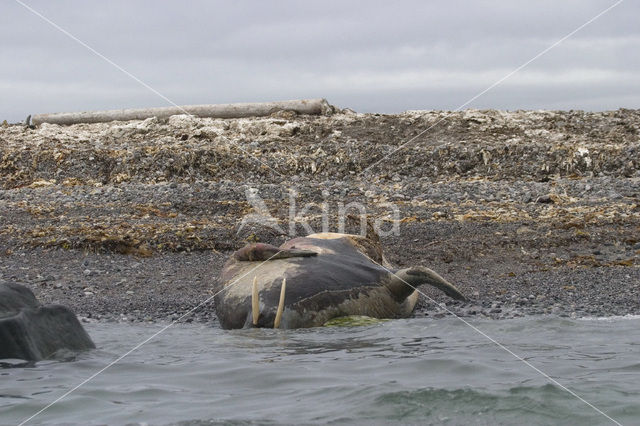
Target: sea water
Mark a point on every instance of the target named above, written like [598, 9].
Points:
[414, 371]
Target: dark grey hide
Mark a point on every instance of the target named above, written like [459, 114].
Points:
[338, 280]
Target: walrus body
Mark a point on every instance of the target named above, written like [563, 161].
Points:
[327, 276]
[33, 332]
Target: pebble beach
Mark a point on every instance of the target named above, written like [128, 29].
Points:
[526, 212]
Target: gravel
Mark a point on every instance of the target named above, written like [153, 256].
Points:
[527, 212]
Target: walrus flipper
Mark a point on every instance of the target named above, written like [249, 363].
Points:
[404, 282]
[263, 252]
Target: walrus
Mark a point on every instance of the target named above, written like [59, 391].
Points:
[308, 281]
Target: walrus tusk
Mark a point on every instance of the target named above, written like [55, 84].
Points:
[255, 301]
[276, 322]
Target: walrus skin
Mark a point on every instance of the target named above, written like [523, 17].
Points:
[33, 332]
[327, 276]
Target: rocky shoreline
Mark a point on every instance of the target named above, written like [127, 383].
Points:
[527, 212]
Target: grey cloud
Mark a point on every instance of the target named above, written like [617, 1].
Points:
[371, 56]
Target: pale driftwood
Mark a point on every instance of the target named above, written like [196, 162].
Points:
[261, 109]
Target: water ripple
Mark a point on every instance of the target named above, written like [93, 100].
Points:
[420, 371]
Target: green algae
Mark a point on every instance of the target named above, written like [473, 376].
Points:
[353, 321]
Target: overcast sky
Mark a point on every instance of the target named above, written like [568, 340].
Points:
[370, 56]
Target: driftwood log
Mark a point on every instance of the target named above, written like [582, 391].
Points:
[239, 110]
